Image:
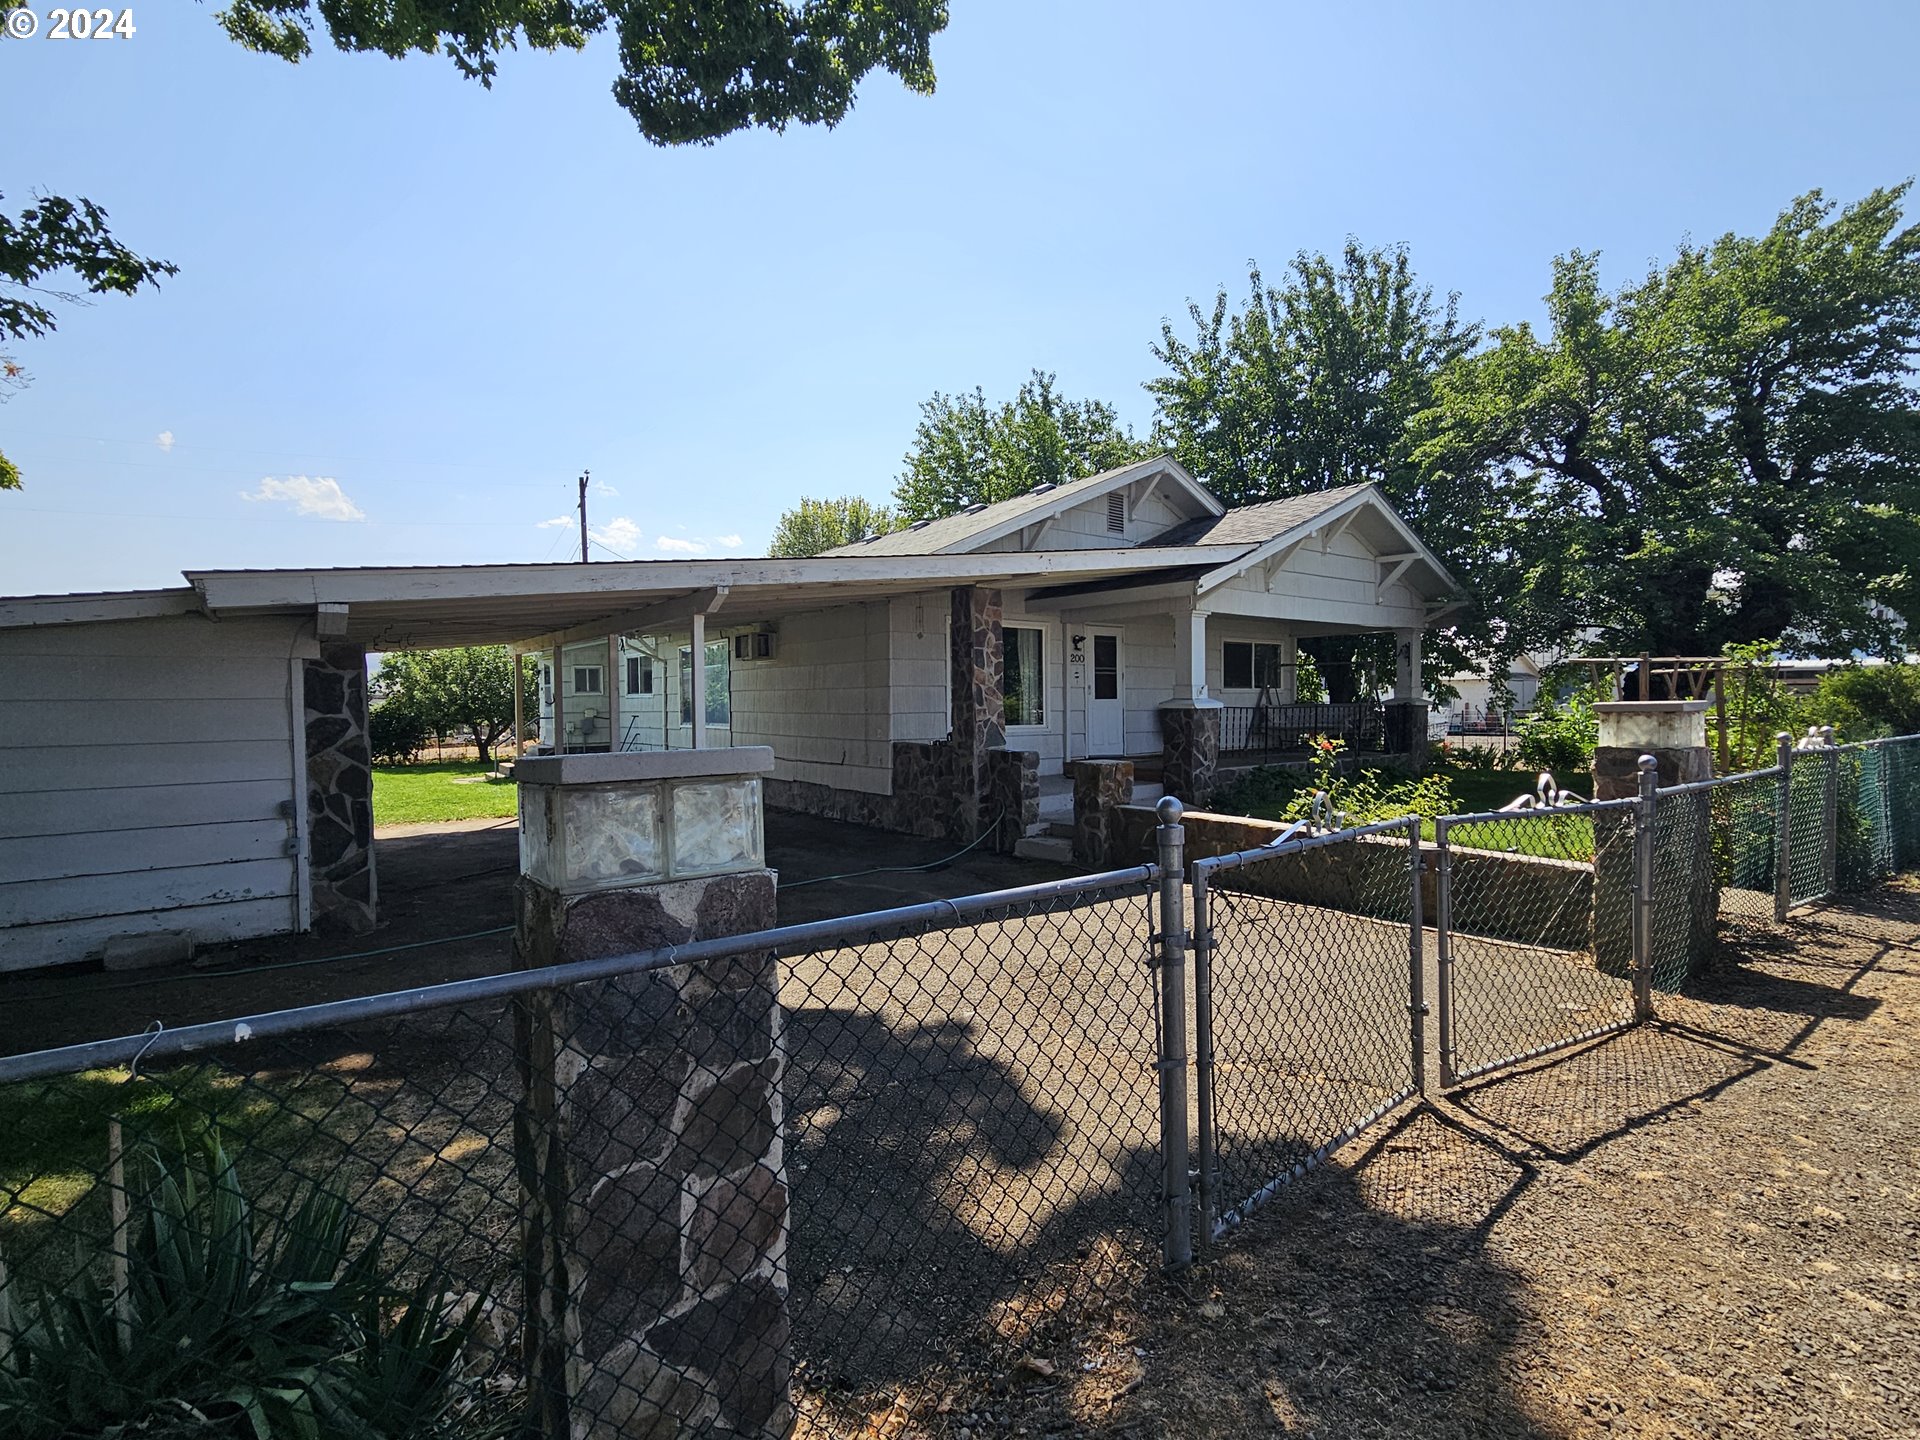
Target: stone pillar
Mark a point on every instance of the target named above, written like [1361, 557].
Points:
[649, 1139]
[1013, 794]
[1190, 749]
[976, 659]
[1100, 787]
[339, 790]
[1674, 732]
[1405, 722]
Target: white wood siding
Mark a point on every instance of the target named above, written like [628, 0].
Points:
[1222, 628]
[918, 677]
[1149, 681]
[1332, 588]
[1084, 527]
[147, 783]
[822, 700]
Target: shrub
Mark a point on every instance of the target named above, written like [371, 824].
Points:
[1864, 702]
[397, 731]
[233, 1330]
[1560, 736]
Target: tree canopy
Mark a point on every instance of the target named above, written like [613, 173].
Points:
[1726, 451]
[51, 237]
[691, 70]
[462, 691]
[967, 451]
[816, 525]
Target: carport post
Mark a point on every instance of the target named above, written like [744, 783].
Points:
[697, 702]
[1643, 827]
[1177, 1240]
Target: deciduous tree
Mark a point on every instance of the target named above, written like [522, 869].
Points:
[816, 525]
[691, 71]
[967, 451]
[1724, 452]
[467, 690]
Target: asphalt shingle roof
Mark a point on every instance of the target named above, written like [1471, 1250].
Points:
[1256, 524]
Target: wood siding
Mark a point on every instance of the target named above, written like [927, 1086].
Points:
[147, 783]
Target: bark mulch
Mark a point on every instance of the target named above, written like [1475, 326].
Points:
[1709, 1226]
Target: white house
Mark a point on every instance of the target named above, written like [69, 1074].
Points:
[193, 762]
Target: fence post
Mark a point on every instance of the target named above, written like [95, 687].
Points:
[1203, 1051]
[1171, 836]
[1443, 945]
[1830, 813]
[1416, 960]
[1783, 829]
[1643, 827]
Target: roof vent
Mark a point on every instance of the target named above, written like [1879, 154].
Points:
[919, 524]
[1043, 488]
[1116, 513]
[975, 508]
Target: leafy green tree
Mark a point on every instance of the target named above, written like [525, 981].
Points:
[691, 70]
[52, 237]
[967, 451]
[816, 525]
[1311, 385]
[1727, 451]
[467, 690]
[1865, 702]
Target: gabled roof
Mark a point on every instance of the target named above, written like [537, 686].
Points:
[982, 525]
[1257, 524]
[1324, 514]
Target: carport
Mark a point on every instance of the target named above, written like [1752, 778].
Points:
[188, 766]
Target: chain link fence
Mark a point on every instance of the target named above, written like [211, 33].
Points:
[1308, 990]
[652, 1195]
[1535, 918]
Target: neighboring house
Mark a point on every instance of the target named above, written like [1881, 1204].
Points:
[1477, 709]
[193, 763]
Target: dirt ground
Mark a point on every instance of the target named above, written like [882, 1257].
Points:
[456, 880]
[1708, 1226]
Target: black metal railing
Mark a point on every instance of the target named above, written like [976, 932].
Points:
[1255, 734]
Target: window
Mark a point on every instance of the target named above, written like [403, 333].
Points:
[586, 679]
[546, 684]
[1117, 514]
[1250, 665]
[756, 645]
[1106, 667]
[1025, 676]
[719, 685]
[639, 675]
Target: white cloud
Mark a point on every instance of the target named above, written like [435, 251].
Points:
[680, 547]
[164, 440]
[729, 541]
[554, 523]
[619, 535]
[601, 487]
[319, 496]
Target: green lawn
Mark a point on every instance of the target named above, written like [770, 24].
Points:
[1471, 792]
[452, 790]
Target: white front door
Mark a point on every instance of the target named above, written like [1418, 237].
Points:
[1106, 710]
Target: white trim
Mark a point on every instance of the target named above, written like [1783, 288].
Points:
[1073, 493]
[302, 855]
[1336, 519]
[20, 610]
[1030, 727]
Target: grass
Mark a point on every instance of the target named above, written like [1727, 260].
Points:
[1470, 792]
[449, 790]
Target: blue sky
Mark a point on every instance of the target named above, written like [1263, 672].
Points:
[426, 307]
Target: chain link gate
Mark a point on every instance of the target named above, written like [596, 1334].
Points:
[1308, 1005]
[1540, 925]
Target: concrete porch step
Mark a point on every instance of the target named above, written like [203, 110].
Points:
[1055, 848]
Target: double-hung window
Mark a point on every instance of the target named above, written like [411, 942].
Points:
[1250, 665]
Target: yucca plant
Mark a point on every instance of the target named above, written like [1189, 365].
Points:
[276, 1333]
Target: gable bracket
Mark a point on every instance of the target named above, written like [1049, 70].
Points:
[1399, 564]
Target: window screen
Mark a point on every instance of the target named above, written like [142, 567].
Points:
[1248, 665]
[1025, 677]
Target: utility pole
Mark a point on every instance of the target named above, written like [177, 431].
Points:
[585, 475]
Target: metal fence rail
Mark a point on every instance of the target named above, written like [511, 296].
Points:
[1536, 932]
[1309, 1006]
[346, 1207]
[1249, 733]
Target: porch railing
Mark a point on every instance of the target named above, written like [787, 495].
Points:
[1253, 734]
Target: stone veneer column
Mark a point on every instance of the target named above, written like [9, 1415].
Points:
[339, 790]
[976, 660]
[1100, 787]
[1013, 794]
[1190, 741]
[649, 1145]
